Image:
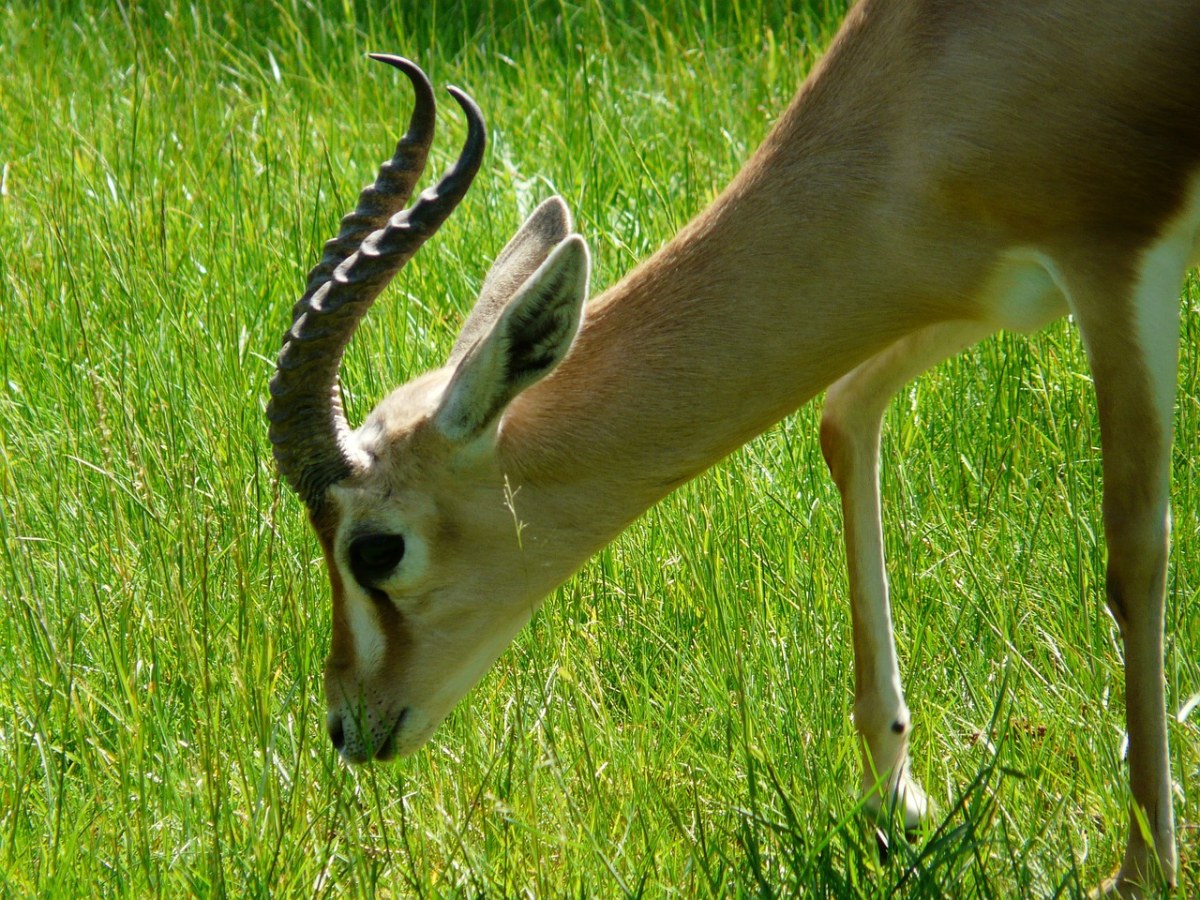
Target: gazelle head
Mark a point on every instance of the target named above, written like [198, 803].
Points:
[413, 511]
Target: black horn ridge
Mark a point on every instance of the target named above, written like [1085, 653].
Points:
[308, 428]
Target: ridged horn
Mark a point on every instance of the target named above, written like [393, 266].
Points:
[308, 427]
[392, 187]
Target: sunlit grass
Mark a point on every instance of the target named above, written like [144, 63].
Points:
[676, 720]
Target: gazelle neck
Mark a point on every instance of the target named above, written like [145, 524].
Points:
[787, 281]
[691, 355]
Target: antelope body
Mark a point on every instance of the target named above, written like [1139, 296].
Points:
[949, 169]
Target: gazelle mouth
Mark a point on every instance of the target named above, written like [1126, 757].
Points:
[388, 748]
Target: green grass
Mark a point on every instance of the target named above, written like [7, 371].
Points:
[676, 720]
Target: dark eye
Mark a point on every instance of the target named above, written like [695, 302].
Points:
[374, 556]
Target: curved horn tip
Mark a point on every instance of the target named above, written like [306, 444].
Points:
[414, 72]
[402, 63]
[420, 126]
[476, 126]
[464, 99]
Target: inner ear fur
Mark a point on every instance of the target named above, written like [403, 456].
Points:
[529, 336]
[546, 228]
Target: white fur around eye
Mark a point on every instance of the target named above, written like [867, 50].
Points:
[412, 568]
[365, 631]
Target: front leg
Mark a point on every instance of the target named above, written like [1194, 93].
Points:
[850, 431]
[1134, 366]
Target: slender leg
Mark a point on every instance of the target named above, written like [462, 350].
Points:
[850, 430]
[1134, 357]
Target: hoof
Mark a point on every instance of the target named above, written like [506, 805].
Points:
[1126, 887]
[1115, 887]
[904, 799]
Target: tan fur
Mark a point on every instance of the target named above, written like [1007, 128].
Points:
[933, 142]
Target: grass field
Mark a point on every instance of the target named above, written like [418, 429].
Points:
[676, 720]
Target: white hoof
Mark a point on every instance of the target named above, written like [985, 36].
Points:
[896, 797]
[1136, 886]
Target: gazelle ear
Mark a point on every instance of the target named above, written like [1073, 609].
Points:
[529, 337]
[546, 228]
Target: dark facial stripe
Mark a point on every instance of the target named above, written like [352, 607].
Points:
[341, 651]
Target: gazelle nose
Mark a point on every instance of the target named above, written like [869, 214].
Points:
[337, 734]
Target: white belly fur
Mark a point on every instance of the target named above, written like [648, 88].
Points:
[1027, 291]
[1024, 293]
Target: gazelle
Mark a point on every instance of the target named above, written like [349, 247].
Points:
[949, 169]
